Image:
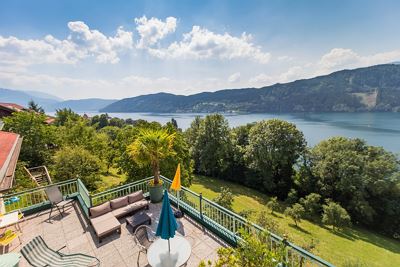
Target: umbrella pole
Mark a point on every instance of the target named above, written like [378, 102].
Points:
[169, 247]
[178, 199]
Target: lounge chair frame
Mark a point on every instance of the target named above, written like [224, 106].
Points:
[39, 239]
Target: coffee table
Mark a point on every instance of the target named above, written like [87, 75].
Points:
[138, 219]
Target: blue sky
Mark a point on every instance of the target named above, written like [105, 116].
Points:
[115, 49]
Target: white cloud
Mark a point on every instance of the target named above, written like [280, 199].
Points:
[234, 78]
[14, 51]
[81, 43]
[340, 58]
[285, 58]
[293, 73]
[153, 30]
[261, 79]
[201, 43]
[93, 42]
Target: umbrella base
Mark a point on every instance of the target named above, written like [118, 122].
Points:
[178, 214]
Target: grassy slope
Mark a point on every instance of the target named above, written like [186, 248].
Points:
[353, 244]
[109, 180]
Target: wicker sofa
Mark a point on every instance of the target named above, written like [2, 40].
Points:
[104, 217]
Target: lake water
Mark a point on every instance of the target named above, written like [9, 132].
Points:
[379, 129]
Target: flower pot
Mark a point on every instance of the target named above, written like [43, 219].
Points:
[156, 193]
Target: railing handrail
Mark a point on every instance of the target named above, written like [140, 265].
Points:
[38, 188]
[120, 187]
[182, 187]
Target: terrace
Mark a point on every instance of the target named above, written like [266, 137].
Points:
[206, 225]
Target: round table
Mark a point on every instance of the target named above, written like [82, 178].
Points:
[159, 256]
[10, 259]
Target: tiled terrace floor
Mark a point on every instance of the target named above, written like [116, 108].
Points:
[116, 250]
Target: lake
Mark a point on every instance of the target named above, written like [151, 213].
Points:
[378, 129]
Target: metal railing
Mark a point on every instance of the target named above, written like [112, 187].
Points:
[120, 191]
[221, 221]
[226, 225]
[36, 197]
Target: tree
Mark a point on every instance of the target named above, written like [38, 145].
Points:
[38, 136]
[273, 204]
[77, 162]
[292, 197]
[209, 139]
[311, 204]
[64, 115]
[80, 133]
[32, 105]
[117, 122]
[103, 121]
[238, 170]
[295, 212]
[151, 146]
[174, 123]
[335, 215]
[274, 147]
[225, 198]
[111, 152]
[362, 179]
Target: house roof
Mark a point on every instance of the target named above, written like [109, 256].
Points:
[10, 146]
[12, 106]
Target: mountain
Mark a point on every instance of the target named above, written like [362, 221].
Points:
[44, 95]
[23, 97]
[375, 88]
[50, 102]
[90, 104]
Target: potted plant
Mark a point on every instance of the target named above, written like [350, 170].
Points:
[149, 147]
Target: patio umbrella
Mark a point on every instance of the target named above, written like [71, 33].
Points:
[176, 183]
[167, 223]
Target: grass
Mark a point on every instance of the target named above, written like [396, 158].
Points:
[110, 179]
[349, 245]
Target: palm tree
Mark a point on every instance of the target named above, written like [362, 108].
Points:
[151, 146]
[32, 105]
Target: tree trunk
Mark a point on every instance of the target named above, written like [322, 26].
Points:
[156, 172]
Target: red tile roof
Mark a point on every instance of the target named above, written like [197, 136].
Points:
[13, 106]
[10, 145]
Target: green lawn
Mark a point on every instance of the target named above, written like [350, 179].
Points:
[355, 244]
[110, 179]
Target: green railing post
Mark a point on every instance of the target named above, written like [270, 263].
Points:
[201, 206]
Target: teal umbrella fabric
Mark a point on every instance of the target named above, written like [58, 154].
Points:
[167, 223]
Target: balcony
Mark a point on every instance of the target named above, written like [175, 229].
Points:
[206, 225]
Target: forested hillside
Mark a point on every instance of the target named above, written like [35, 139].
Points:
[375, 88]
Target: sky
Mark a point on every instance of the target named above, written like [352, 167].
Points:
[117, 49]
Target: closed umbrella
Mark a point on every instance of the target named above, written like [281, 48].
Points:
[167, 223]
[176, 185]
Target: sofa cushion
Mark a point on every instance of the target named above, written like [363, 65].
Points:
[105, 224]
[119, 202]
[100, 218]
[100, 210]
[121, 212]
[139, 204]
[136, 196]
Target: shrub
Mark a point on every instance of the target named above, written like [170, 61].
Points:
[295, 212]
[335, 215]
[273, 204]
[311, 204]
[225, 198]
